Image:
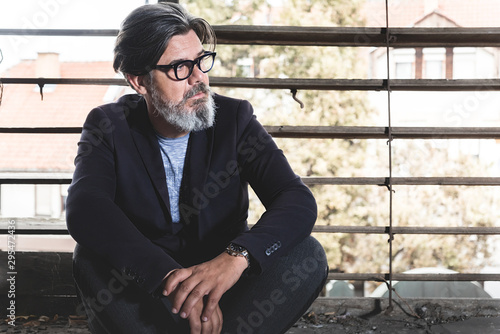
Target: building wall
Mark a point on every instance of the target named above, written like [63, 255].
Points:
[20, 200]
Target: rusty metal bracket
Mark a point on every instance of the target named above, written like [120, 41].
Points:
[294, 96]
[41, 84]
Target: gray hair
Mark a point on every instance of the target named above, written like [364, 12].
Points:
[146, 32]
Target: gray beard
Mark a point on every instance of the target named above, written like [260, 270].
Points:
[200, 118]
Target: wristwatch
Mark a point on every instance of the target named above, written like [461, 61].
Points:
[237, 250]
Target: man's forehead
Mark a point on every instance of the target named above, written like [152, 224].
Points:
[183, 45]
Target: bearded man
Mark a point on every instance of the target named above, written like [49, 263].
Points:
[158, 203]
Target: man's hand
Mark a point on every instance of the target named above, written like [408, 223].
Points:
[212, 326]
[195, 291]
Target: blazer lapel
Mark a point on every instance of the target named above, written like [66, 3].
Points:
[147, 145]
[193, 198]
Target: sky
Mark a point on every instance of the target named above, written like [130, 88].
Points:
[61, 14]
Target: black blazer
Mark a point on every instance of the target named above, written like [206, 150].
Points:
[118, 203]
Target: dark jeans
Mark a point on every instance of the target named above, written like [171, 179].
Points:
[269, 303]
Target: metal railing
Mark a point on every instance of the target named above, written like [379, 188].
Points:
[323, 36]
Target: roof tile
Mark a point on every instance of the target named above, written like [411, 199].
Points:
[62, 106]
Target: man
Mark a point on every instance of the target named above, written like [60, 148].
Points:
[158, 203]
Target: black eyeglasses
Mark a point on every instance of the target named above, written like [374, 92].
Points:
[184, 69]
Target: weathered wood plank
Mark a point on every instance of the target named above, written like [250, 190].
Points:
[42, 130]
[317, 36]
[381, 132]
[39, 273]
[329, 132]
[379, 181]
[384, 181]
[47, 180]
[357, 36]
[66, 81]
[31, 227]
[413, 277]
[43, 283]
[360, 84]
[299, 84]
[452, 230]
[34, 226]
[45, 305]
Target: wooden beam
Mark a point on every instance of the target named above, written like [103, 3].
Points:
[378, 181]
[43, 283]
[318, 36]
[357, 36]
[327, 132]
[65, 81]
[414, 277]
[43, 130]
[368, 132]
[45, 180]
[32, 226]
[360, 84]
[384, 181]
[40, 273]
[420, 85]
[454, 230]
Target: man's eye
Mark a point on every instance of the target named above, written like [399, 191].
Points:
[181, 67]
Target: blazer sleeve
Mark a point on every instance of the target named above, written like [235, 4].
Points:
[93, 218]
[290, 206]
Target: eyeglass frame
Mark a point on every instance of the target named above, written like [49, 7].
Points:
[194, 62]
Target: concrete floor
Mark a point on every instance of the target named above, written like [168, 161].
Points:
[389, 325]
[353, 315]
[378, 325]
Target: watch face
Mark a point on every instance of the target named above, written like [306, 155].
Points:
[238, 249]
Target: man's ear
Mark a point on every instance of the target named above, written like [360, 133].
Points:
[137, 83]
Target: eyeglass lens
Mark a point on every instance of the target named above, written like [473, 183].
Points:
[185, 68]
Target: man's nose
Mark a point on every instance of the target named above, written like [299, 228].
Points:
[196, 76]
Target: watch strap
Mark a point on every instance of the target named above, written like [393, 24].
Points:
[237, 250]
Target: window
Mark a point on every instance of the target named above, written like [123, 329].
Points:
[404, 70]
[464, 61]
[434, 61]
[404, 62]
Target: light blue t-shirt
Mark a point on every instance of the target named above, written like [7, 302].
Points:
[173, 153]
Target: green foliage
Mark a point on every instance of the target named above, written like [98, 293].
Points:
[216, 12]
[354, 205]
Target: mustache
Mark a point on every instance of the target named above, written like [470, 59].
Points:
[200, 88]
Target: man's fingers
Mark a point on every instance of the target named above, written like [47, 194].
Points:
[173, 280]
[212, 326]
[200, 294]
[195, 326]
[216, 321]
[191, 296]
[195, 323]
[211, 304]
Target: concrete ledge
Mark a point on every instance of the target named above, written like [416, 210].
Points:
[445, 308]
